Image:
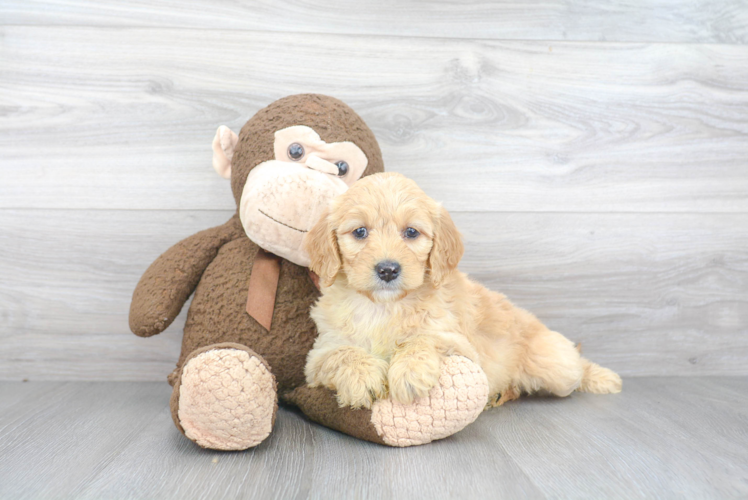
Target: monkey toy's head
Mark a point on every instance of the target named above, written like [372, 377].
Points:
[288, 162]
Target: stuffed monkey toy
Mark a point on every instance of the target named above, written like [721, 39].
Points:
[248, 329]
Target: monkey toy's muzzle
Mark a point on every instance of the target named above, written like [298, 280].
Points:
[281, 201]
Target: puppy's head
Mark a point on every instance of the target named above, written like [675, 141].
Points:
[387, 236]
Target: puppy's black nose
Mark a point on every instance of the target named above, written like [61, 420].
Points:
[387, 270]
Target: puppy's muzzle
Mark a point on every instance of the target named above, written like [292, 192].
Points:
[387, 270]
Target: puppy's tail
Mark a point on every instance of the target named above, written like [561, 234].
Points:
[599, 380]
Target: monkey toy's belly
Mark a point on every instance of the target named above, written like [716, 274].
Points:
[218, 313]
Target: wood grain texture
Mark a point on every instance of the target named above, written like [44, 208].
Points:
[304, 460]
[67, 281]
[123, 118]
[659, 438]
[692, 21]
[663, 438]
[646, 294]
[68, 433]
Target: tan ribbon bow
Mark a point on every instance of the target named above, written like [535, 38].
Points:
[263, 285]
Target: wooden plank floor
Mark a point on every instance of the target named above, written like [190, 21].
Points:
[661, 437]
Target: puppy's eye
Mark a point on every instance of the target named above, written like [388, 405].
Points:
[342, 168]
[295, 151]
[360, 233]
[411, 233]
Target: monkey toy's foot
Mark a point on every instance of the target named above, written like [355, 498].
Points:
[225, 398]
[450, 406]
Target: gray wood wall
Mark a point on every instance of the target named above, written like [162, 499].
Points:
[595, 156]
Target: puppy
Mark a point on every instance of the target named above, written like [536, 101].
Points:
[394, 304]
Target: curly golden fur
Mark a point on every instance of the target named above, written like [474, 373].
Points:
[380, 337]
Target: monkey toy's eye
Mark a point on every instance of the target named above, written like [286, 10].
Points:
[295, 151]
[360, 233]
[342, 168]
[411, 233]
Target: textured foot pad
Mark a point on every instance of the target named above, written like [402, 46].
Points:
[457, 401]
[227, 400]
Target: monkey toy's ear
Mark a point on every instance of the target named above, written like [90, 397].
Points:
[223, 150]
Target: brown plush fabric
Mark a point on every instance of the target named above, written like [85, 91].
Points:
[218, 313]
[168, 282]
[217, 263]
[320, 405]
[332, 119]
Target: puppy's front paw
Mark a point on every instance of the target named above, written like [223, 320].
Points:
[356, 376]
[413, 375]
[360, 383]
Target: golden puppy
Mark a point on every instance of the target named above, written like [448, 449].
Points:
[394, 304]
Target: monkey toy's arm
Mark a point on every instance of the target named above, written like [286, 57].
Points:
[170, 280]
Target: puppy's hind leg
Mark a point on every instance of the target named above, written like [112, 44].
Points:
[550, 363]
[509, 394]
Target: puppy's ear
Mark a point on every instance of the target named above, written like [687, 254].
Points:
[321, 244]
[447, 248]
